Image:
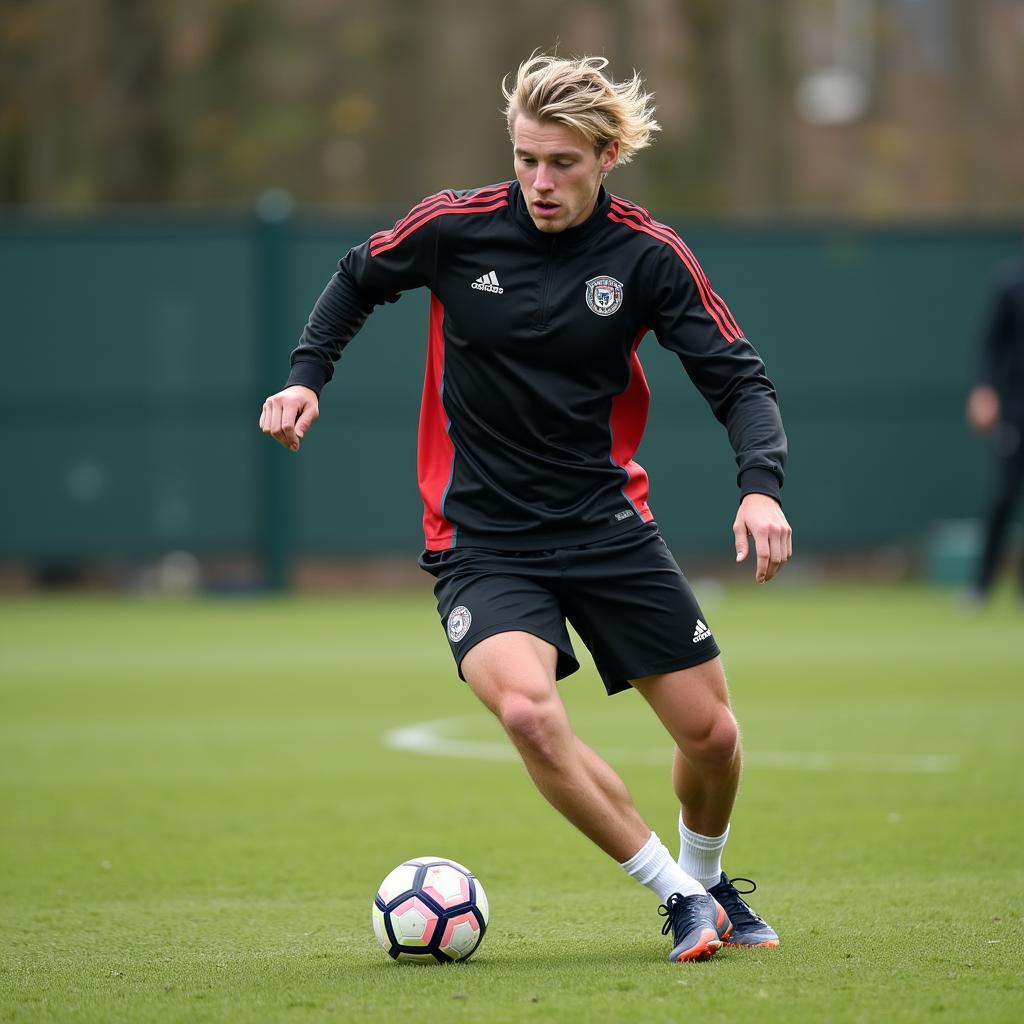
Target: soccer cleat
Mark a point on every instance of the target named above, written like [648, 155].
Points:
[722, 923]
[696, 923]
[748, 929]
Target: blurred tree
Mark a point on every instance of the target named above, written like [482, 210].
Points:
[973, 159]
[351, 104]
[760, 147]
[701, 153]
[134, 152]
[29, 142]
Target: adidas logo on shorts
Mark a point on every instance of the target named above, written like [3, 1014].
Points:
[700, 632]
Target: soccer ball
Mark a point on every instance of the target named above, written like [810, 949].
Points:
[430, 910]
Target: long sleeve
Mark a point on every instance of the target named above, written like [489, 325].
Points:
[377, 271]
[996, 341]
[692, 321]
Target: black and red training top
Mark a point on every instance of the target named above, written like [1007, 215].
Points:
[534, 399]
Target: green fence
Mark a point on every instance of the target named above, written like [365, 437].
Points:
[137, 353]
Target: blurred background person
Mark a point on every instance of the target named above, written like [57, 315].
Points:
[996, 406]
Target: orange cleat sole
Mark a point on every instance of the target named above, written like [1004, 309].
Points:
[708, 945]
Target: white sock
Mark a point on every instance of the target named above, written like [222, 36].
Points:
[652, 865]
[701, 856]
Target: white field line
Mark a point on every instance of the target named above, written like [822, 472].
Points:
[438, 738]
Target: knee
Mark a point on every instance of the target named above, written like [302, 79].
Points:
[532, 726]
[718, 743]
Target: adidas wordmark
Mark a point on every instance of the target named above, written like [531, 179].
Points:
[700, 632]
[488, 283]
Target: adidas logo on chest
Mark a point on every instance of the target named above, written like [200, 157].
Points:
[488, 283]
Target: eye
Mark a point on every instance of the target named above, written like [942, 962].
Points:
[527, 160]
[566, 163]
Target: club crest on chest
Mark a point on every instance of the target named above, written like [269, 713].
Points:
[604, 295]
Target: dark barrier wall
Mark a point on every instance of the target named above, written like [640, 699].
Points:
[136, 355]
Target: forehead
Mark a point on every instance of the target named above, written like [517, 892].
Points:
[547, 137]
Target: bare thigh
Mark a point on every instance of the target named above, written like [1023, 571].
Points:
[692, 704]
[512, 664]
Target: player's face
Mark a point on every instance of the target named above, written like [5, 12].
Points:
[559, 171]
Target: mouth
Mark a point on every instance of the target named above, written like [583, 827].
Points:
[546, 207]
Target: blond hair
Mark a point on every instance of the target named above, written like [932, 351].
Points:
[574, 92]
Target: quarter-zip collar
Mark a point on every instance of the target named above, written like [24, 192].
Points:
[571, 239]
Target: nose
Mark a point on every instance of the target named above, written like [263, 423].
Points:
[542, 181]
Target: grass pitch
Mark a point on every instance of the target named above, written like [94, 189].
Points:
[199, 800]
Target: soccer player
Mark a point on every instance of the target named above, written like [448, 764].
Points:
[535, 512]
[996, 405]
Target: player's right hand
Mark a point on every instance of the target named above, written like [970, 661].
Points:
[287, 415]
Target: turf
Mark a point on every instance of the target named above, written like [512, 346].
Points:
[198, 804]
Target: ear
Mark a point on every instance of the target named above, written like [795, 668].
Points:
[609, 156]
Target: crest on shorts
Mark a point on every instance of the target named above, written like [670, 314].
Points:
[604, 295]
[458, 623]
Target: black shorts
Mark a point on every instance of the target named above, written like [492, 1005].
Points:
[627, 598]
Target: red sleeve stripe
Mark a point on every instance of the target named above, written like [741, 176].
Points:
[428, 203]
[627, 207]
[708, 298]
[435, 206]
[385, 244]
[713, 303]
[731, 330]
[722, 307]
[440, 197]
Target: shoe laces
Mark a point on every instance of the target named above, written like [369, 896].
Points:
[731, 898]
[681, 913]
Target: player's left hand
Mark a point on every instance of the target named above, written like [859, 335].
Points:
[762, 518]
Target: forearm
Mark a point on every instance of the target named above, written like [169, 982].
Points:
[338, 315]
[743, 400]
[759, 441]
[995, 344]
